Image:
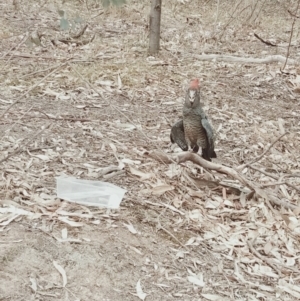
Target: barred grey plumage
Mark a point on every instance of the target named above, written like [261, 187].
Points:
[197, 129]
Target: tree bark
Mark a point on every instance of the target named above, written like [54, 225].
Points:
[154, 26]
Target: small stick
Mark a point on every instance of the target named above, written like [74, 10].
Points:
[61, 119]
[80, 33]
[274, 177]
[266, 42]
[263, 258]
[113, 174]
[20, 150]
[174, 237]
[241, 167]
[273, 184]
[30, 89]
[293, 15]
[291, 35]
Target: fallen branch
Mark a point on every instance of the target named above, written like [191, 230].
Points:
[187, 156]
[265, 194]
[246, 60]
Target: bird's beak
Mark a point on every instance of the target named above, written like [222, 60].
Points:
[192, 96]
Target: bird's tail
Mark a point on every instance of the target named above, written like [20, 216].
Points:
[207, 154]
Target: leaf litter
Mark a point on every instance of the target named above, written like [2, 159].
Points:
[196, 233]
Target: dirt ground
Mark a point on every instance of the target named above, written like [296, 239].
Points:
[95, 106]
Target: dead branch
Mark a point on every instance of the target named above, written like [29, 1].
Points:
[264, 41]
[249, 60]
[263, 193]
[214, 166]
[259, 157]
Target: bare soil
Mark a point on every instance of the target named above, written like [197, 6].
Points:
[99, 101]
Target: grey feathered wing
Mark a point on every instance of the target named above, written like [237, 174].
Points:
[209, 151]
[177, 135]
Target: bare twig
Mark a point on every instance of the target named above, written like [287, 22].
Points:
[29, 56]
[291, 35]
[23, 147]
[260, 10]
[61, 119]
[252, 12]
[217, 14]
[264, 41]
[274, 177]
[293, 15]
[232, 18]
[174, 237]
[14, 48]
[113, 174]
[33, 87]
[80, 33]
[17, 121]
[263, 258]
[269, 262]
[117, 109]
[241, 167]
[273, 184]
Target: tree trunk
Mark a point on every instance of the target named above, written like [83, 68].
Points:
[154, 26]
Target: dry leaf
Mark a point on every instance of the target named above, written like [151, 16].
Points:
[33, 284]
[139, 291]
[143, 176]
[130, 228]
[214, 297]
[161, 189]
[64, 233]
[69, 222]
[197, 280]
[119, 82]
[62, 272]
[136, 250]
